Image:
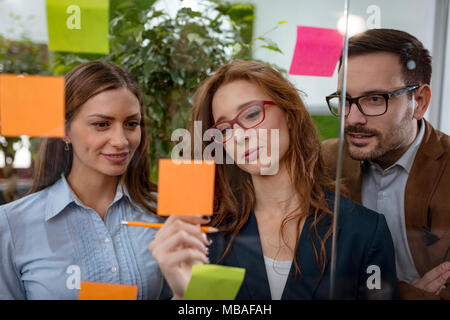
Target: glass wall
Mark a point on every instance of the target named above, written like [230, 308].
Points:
[392, 209]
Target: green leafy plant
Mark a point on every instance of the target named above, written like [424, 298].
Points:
[170, 56]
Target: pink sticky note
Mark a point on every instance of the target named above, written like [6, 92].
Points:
[317, 51]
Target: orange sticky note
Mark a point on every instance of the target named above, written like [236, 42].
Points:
[32, 105]
[185, 188]
[106, 291]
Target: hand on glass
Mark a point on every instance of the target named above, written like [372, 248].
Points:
[177, 246]
[434, 280]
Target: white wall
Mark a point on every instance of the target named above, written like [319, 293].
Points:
[445, 111]
[33, 20]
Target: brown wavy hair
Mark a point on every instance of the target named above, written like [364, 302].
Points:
[82, 83]
[234, 193]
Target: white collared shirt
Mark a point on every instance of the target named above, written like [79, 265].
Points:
[384, 191]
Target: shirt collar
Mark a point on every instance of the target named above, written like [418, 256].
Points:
[120, 194]
[60, 195]
[407, 159]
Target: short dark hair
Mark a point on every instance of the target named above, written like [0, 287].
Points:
[415, 59]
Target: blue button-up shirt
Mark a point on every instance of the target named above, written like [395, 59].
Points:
[50, 242]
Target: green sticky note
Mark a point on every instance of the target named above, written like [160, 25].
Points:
[214, 282]
[78, 25]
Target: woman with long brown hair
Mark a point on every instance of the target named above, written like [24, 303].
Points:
[278, 226]
[67, 229]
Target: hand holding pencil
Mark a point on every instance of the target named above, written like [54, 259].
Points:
[178, 245]
[206, 229]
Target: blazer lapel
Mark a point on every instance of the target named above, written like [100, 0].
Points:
[304, 286]
[247, 252]
[428, 166]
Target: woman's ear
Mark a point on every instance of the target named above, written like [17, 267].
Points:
[67, 130]
[288, 120]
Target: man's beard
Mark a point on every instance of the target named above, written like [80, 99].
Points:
[382, 148]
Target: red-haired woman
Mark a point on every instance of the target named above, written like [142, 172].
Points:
[277, 226]
[67, 229]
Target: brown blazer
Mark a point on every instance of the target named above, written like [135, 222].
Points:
[427, 202]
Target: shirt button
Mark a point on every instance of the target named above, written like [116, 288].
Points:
[107, 240]
[113, 269]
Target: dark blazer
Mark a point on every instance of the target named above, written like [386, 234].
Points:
[427, 205]
[363, 240]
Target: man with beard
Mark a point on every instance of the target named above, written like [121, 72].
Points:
[394, 161]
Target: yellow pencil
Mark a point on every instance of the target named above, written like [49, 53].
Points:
[205, 229]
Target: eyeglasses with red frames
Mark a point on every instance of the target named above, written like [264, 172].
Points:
[249, 117]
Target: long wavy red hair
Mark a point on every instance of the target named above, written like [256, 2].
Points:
[234, 193]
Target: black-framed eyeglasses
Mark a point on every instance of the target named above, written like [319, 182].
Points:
[249, 117]
[371, 105]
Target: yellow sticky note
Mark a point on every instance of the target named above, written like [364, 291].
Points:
[214, 282]
[185, 188]
[106, 291]
[78, 25]
[32, 105]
